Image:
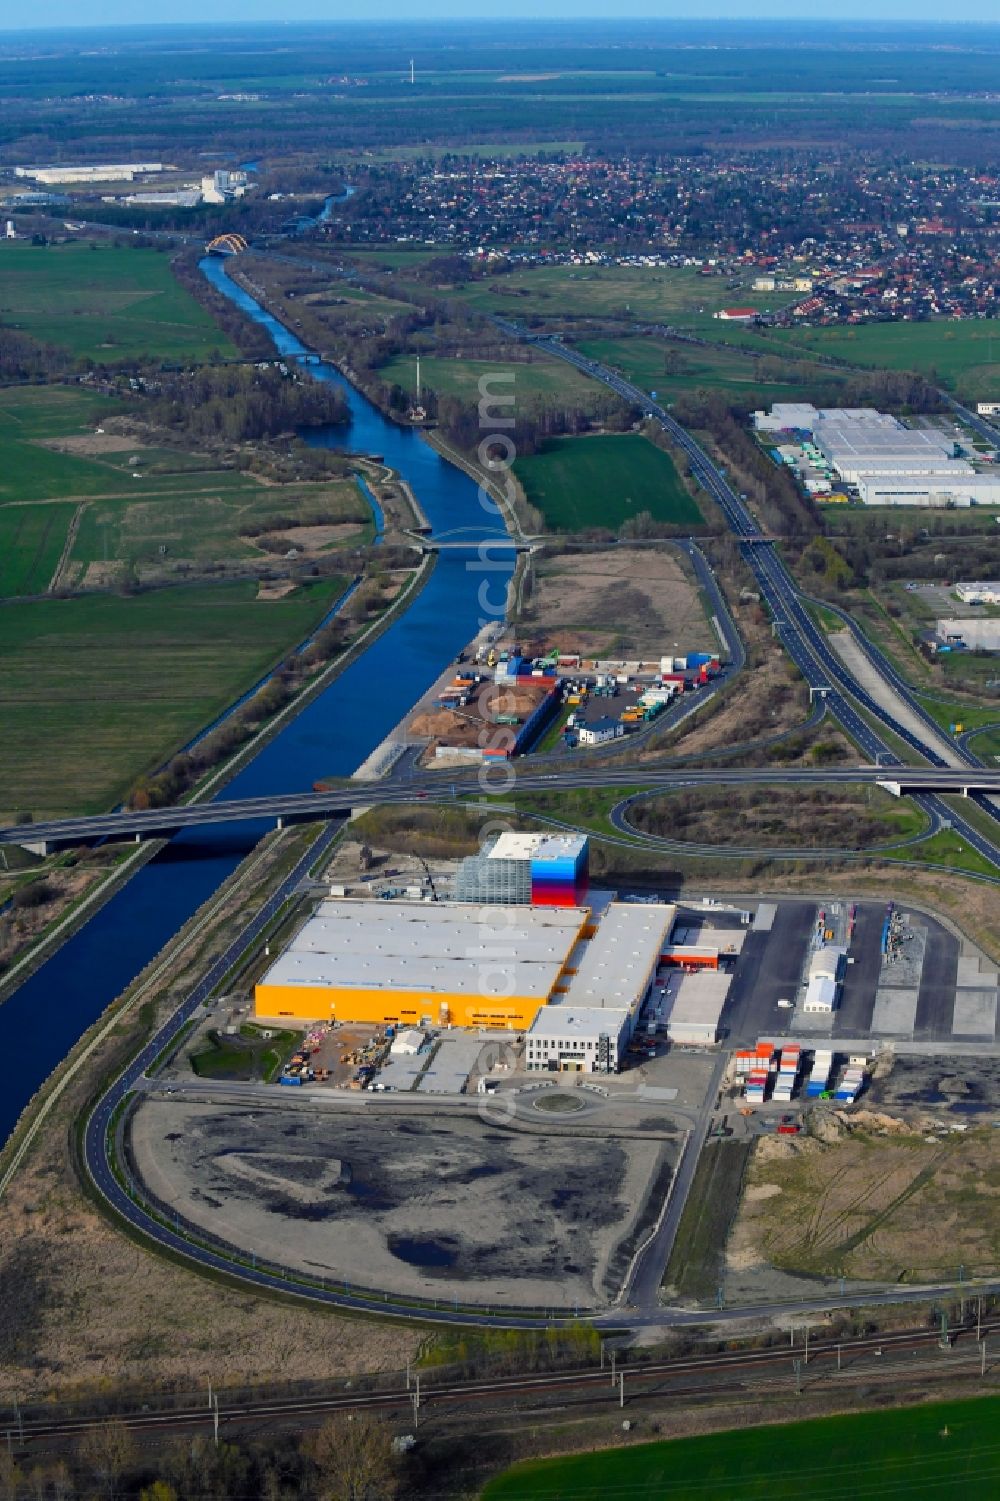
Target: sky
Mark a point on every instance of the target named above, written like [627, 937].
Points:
[58, 13]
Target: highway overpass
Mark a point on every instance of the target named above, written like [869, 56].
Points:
[504, 782]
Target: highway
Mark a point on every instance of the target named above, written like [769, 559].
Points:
[805, 643]
[303, 807]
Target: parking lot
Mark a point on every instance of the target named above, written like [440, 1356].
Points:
[950, 995]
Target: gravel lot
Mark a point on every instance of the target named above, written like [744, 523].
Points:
[446, 1206]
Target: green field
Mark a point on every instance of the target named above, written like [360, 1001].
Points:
[344, 302]
[603, 481]
[673, 370]
[34, 421]
[553, 382]
[931, 1453]
[133, 500]
[104, 303]
[963, 354]
[31, 417]
[680, 296]
[96, 691]
[31, 542]
[207, 523]
[249, 1055]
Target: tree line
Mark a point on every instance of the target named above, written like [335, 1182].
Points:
[239, 403]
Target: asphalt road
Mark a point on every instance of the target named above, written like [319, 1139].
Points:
[853, 1017]
[768, 972]
[305, 806]
[936, 996]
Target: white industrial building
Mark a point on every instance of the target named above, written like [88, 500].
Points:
[178, 198]
[975, 633]
[598, 731]
[931, 492]
[578, 1039]
[692, 1006]
[588, 1027]
[786, 416]
[826, 969]
[96, 172]
[223, 185]
[888, 463]
[407, 1044]
[981, 592]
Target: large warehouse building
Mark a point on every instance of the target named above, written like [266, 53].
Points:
[887, 462]
[574, 979]
[422, 964]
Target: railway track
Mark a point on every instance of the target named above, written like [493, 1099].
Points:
[828, 1356]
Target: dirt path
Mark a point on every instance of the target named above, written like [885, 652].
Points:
[71, 535]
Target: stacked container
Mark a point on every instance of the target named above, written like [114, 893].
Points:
[819, 1075]
[788, 1070]
[756, 1087]
[850, 1085]
[744, 1063]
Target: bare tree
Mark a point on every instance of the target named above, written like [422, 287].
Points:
[354, 1459]
[10, 1477]
[107, 1450]
[61, 1481]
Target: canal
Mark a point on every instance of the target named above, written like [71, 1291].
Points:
[332, 736]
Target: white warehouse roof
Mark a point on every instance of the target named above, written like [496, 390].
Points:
[621, 959]
[827, 961]
[693, 1006]
[555, 1022]
[413, 946]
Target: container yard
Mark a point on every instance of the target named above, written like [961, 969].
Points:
[501, 700]
[780, 1074]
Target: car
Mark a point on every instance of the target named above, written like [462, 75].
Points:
[423, 794]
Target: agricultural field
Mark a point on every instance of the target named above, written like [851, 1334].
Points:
[680, 296]
[962, 354]
[942, 1451]
[96, 691]
[671, 370]
[40, 427]
[345, 304]
[552, 382]
[76, 504]
[32, 539]
[603, 481]
[105, 303]
[225, 524]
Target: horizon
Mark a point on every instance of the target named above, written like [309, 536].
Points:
[61, 16]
